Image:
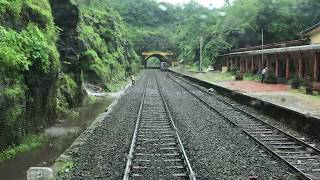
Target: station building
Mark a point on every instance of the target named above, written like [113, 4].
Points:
[299, 58]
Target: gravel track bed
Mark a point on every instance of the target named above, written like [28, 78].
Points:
[279, 123]
[215, 149]
[103, 154]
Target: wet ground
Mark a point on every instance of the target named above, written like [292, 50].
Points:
[60, 138]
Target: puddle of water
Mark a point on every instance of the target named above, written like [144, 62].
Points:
[60, 138]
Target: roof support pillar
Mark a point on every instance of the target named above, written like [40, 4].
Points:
[300, 65]
[287, 66]
[268, 62]
[252, 64]
[247, 64]
[277, 66]
[240, 64]
[232, 64]
[260, 65]
[227, 63]
[316, 66]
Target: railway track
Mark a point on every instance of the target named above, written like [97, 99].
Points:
[301, 157]
[156, 149]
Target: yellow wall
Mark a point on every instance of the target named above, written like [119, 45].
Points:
[315, 37]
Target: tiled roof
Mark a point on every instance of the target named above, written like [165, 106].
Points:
[311, 28]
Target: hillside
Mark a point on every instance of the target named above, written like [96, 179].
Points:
[48, 49]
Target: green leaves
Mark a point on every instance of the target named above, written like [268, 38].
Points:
[11, 50]
[20, 50]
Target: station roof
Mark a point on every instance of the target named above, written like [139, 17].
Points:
[277, 50]
[311, 29]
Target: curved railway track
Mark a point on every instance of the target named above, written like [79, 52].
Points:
[301, 157]
[156, 150]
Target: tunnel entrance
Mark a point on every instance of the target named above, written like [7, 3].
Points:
[153, 63]
[154, 59]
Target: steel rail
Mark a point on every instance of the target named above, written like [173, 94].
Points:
[255, 118]
[185, 157]
[134, 137]
[276, 155]
[136, 151]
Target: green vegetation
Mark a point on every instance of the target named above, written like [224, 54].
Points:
[29, 65]
[270, 79]
[296, 82]
[301, 92]
[212, 76]
[216, 76]
[28, 143]
[63, 166]
[252, 77]
[48, 50]
[162, 26]
[108, 57]
[153, 62]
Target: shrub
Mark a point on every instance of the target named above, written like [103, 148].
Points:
[296, 82]
[234, 70]
[271, 79]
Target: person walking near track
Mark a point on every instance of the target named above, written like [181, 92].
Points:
[133, 79]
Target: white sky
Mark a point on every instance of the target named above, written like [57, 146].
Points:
[207, 3]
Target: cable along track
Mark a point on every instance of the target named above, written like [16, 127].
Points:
[301, 157]
[156, 149]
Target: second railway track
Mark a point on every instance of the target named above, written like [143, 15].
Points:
[156, 150]
[300, 156]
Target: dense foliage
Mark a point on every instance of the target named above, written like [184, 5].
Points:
[161, 26]
[48, 50]
[29, 66]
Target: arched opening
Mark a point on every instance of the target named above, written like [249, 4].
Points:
[153, 61]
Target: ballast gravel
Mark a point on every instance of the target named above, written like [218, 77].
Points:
[103, 153]
[216, 149]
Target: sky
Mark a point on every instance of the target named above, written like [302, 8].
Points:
[207, 3]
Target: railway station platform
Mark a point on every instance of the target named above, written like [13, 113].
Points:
[279, 94]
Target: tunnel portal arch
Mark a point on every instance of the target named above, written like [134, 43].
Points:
[162, 56]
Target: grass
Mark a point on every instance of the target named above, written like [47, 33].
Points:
[63, 166]
[251, 77]
[215, 76]
[301, 92]
[211, 76]
[28, 143]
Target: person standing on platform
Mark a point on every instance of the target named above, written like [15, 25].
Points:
[264, 74]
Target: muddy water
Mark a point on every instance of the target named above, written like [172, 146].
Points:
[60, 138]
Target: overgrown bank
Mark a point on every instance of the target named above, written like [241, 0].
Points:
[48, 50]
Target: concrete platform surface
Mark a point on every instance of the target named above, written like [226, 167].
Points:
[279, 94]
